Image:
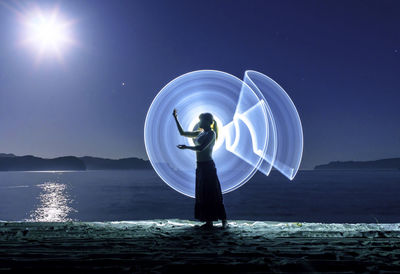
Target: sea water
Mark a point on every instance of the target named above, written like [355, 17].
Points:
[313, 196]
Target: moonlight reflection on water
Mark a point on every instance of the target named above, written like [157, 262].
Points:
[54, 204]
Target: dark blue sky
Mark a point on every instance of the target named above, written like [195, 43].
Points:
[338, 60]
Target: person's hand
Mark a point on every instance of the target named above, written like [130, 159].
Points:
[174, 113]
[181, 146]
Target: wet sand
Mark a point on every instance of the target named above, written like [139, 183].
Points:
[179, 246]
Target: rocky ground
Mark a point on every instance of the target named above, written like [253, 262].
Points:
[179, 246]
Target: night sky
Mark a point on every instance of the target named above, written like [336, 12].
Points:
[338, 60]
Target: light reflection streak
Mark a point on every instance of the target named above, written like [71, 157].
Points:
[54, 204]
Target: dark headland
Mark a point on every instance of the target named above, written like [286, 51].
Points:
[11, 162]
[392, 163]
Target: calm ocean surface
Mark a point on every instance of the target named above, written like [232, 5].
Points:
[314, 196]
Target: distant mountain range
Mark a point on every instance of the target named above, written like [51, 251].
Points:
[11, 162]
[7, 155]
[393, 163]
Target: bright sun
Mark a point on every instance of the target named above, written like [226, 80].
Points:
[47, 32]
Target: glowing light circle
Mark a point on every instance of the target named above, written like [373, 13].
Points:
[192, 94]
[259, 128]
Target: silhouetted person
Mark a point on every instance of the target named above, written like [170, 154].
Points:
[209, 205]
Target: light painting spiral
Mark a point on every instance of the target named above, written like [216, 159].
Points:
[259, 128]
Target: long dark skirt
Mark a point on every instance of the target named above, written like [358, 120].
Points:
[209, 204]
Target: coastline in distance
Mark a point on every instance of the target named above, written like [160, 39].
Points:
[11, 162]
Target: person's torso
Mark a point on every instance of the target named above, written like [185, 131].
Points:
[205, 154]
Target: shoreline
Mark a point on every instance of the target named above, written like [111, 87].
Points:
[179, 246]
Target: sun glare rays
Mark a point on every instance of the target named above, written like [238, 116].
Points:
[46, 32]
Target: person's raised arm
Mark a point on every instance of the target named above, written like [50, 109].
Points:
[181, 131]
